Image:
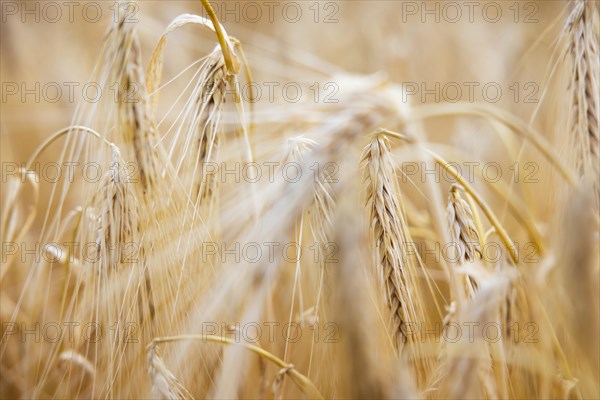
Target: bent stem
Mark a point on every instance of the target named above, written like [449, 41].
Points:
[57, 135]
[232, 67]
[303, 383]
[508, 243]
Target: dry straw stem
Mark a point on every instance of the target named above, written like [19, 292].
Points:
[305, 384]
[582, 49]
[233, 65]
[508, 243]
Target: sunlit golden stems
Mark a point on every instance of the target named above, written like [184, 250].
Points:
[304, 384]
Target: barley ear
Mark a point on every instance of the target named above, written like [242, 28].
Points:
[164, 384]
[463, 233]
[386, 227]
[582, 51]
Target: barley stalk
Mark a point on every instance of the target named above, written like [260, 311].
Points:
[463, 232]
[388, 227]
[210, 102]
[116, 213]
[164, 383]
[582, 50]
[135, 122]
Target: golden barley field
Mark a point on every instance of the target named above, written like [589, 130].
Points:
[308, 199]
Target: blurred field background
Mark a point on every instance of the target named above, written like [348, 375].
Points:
[407, 42]
[351, 50]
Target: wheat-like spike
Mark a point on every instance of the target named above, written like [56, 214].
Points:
[135, 122]
[117, 213]
[463, 233]
[582, 49]
[323, 200]
[387, 218]
[209, 109]
[164, 384]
